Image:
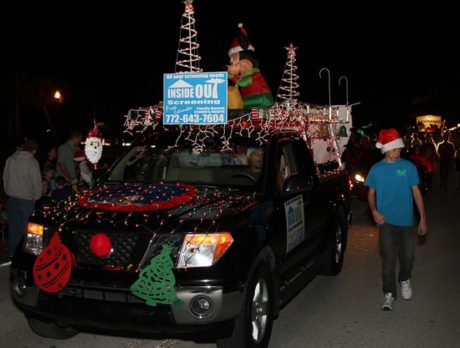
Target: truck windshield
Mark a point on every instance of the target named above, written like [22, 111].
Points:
[240, 165]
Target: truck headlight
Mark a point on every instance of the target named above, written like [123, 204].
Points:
[33, 241]
[203, 250]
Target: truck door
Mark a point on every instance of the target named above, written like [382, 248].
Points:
[316, 200]
[290, 207]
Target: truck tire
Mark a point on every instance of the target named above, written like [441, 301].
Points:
[253, 325]
[50, 330]
[333, 257]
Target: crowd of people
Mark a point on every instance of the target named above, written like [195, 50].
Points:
[29, 183]
[428, 155]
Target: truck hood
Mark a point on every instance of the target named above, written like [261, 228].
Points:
[139, 218]
[135, 206]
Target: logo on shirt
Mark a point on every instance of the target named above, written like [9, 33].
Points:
[401, 172]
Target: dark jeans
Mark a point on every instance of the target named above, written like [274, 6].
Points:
[19, 211]
[396, 240]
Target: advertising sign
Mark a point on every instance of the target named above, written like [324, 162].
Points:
[195, 98]
[295, 222]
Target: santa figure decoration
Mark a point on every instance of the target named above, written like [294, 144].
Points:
[93, 145]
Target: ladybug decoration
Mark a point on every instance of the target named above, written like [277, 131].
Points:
[53, 266]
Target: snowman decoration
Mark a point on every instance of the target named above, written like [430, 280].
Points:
[93, 145]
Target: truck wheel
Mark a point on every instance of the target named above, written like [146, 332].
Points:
[253, 325]
[333, 257]
[50, 330]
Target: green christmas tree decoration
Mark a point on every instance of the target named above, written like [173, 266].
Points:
[156, 281]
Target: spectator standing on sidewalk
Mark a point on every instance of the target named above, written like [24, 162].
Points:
[86, 174]
[393, 185]
[51, 156]
[22, 183]
[446, 153]
[65, 164]
[457, 165]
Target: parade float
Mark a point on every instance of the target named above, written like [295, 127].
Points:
[210, 223]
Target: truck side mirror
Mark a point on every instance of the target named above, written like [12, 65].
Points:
[297, 182]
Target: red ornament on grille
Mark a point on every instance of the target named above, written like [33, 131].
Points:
[100, 244]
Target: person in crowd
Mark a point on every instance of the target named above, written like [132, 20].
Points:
[62, 191]
[457, 164]
[407, 149]
[65, 163]
[415, 142]
[51, 156]
[428, 151]
[393, 186]
[23, 186]
[446, 154]
[352, 152]
[422, 165]
[86, 174]
[48, 185]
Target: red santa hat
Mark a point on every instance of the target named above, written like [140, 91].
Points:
[241, 42]
[389, 139]
[79, 155]
[95, 132]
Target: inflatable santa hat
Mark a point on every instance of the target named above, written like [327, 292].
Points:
[389, 139]
[241, 42]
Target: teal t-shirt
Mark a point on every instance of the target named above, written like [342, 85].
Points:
[393, 184]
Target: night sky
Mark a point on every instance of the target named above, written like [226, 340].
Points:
[400, 63]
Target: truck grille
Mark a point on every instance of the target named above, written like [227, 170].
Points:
[122, 244]
[127, 248]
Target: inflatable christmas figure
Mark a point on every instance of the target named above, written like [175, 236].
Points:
[93, 145]
[245, 74]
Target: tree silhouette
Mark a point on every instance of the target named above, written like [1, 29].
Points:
[19, 90]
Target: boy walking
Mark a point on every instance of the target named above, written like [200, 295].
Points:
[393, 186]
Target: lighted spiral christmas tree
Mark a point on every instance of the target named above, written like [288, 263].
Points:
[288, 90]
[188, 59]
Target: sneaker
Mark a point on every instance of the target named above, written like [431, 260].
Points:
[406, 290]
[388, 303]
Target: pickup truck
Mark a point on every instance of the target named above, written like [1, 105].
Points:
[178, 242]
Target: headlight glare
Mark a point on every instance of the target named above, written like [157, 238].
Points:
[33, 240]
[359, 178]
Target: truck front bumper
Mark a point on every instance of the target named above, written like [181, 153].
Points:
[205, 311]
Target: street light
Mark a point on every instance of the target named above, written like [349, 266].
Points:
[58, 96]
